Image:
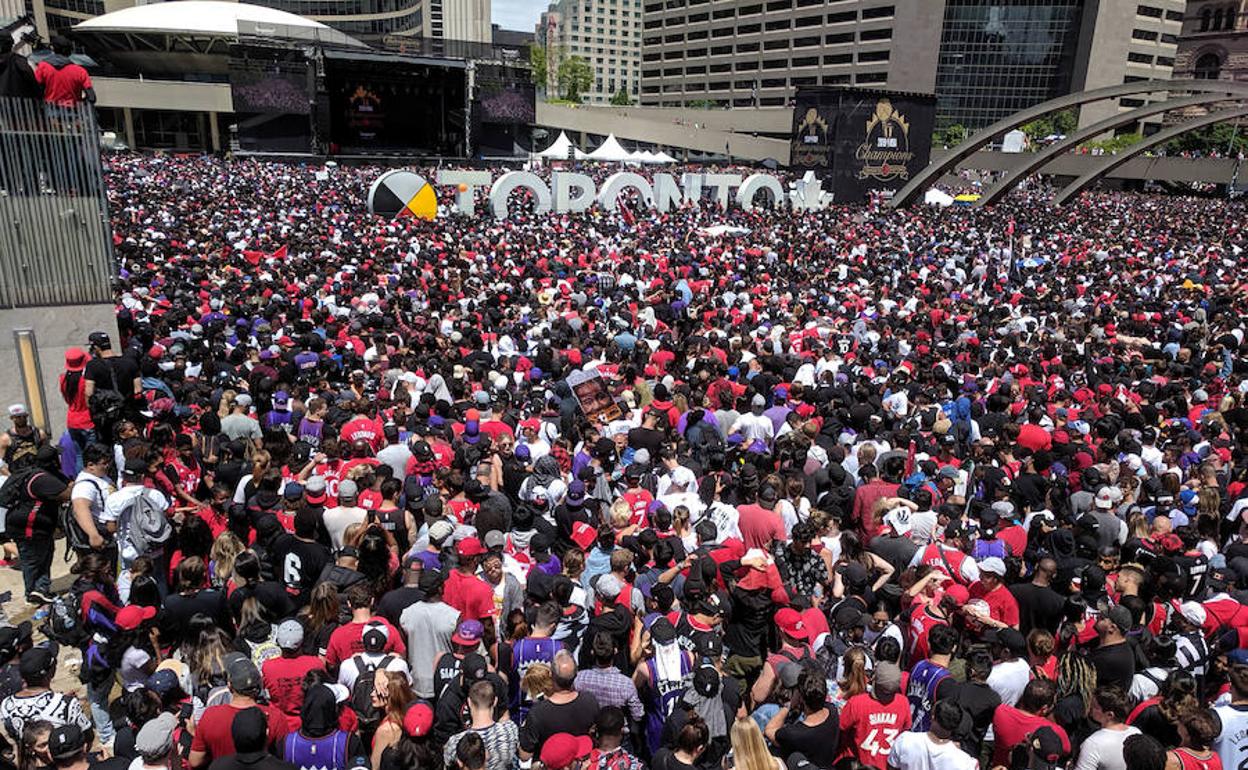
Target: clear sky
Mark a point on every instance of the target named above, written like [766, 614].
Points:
[518, 14]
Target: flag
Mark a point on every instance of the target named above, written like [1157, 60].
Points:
[254, 256]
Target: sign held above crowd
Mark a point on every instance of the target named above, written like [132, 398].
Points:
[570, 191]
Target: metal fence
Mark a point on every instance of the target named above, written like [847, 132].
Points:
[56, 247]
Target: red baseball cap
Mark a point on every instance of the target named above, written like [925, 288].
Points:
[562, 749]
[584, 535]
[790, 622]
[132, 616]
[958, 593]
[469, 546]
[418, 720]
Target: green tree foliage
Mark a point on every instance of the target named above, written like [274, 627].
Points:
[537, 64]
[1220, 138]
[575, 77]
[950, 136]
[1060, 123]
[621, 98]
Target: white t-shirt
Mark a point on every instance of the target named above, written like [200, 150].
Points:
[337, 520]
[1009, 679]
[94, 490]
[119, 502]
[1103, 750]
[917, 751]
[349, 671]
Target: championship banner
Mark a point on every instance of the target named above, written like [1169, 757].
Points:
[861, 141]
[592, 394]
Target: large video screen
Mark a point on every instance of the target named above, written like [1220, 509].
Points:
[269, 87]
[392, 106]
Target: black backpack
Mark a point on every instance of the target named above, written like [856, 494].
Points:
[64, 624]
[362, 693]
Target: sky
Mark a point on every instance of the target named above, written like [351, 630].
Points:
[517, 14]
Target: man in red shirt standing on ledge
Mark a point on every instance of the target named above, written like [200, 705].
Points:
[65, 84]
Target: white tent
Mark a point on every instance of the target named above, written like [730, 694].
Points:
[644, 156]
[662, 157]
[559, 150]
[935, 197]
[610, 151]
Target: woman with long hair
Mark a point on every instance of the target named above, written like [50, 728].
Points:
[391, 696]
[225, 549]
[416, 748]
[74, 391]
[206, 660]
[749, 750]
[320, 618]
[853, 675]
[1160, 716]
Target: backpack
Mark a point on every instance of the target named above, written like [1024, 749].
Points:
[145, 525]
[362, 692]
[263, 651]
[107, 405]
[64, 624]
[15, 494]
[75, 537]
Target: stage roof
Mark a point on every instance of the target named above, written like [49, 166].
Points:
[213, 18]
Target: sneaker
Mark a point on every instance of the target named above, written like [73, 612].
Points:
[40, 597]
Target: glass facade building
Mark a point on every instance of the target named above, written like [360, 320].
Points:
[999, 57]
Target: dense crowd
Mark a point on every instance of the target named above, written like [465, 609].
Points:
[927, 489]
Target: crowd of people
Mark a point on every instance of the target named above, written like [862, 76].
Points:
[925, 489]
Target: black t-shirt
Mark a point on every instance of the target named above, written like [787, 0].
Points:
[1114, 664]
[391, 605]
[646, 438]
[665, 759]
[180, 608]
[547, 718]
[1038, 607]
[299, 563]
[24, 519]
[115, 373]
[819, 743]
[979, 702]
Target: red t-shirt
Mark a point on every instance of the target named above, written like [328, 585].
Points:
[1001, 603]
[348, 640]
[868, 727]
[213, 732]
[363, 429]
[1015, 538]
[64, 85]
[1034, 437]
[283, 678]
[638, 504]
[469, 594]
[1011, 726]
[760, 527]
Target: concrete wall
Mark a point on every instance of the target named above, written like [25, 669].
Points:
[163, 95]
[56, 330]
[916, 46]
[1211, 170]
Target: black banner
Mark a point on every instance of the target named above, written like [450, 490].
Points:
[861, 140]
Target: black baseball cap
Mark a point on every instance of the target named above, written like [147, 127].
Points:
[66, 742]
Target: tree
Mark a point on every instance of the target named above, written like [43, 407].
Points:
[1116, 144]
[575, 77]
[621, 98]
[1060, 123]
[1220, 139]
[537, 64]
[951, 136]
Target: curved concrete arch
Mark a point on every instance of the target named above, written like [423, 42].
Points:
[1114, 161]
[907, 195]
[1040, 159]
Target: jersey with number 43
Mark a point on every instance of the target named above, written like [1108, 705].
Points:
[868, 727]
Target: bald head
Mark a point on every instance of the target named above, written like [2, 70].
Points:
[563, 670]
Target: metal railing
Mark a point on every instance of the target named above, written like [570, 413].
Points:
[56, 245]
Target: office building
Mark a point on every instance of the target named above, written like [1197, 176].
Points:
[606, 33]
[984, 59]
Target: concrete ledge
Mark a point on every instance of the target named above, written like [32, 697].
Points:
[56, 330]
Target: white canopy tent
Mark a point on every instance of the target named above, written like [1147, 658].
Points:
[610, 151]
[559, 149]
[935, 197]
[662, 157]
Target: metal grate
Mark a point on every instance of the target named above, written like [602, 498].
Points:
[56, 246]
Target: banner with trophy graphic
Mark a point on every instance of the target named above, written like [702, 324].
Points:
[861, 140]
